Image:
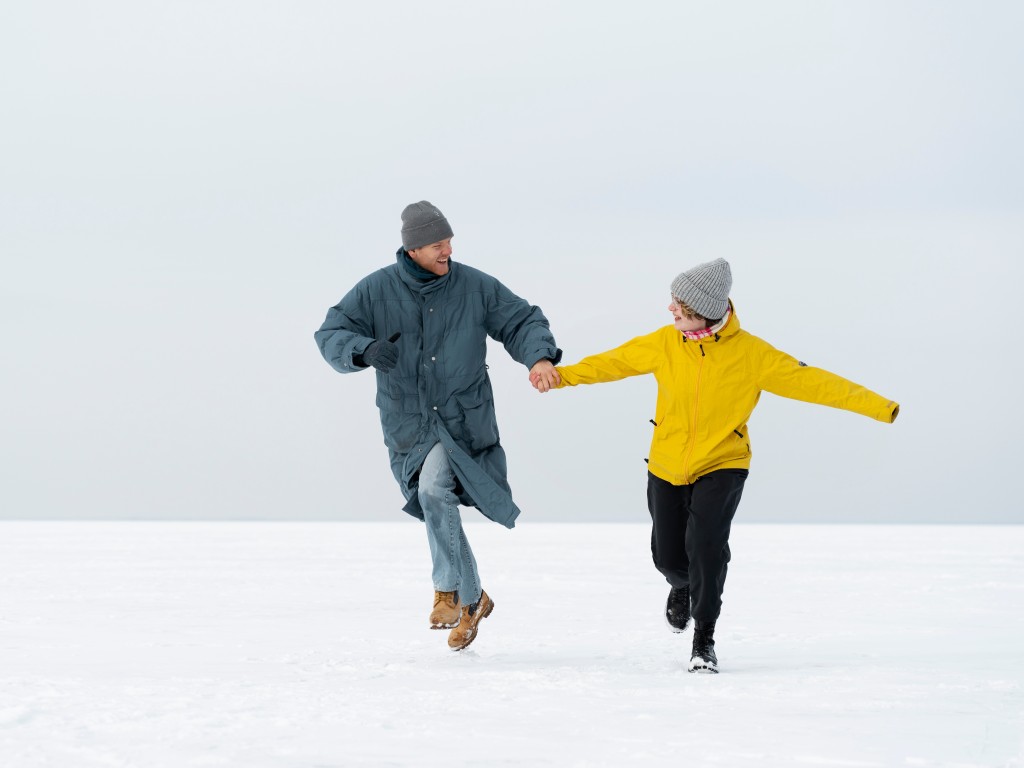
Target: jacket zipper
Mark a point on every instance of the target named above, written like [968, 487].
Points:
[693, 423]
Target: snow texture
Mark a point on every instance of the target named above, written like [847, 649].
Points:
[278, 645]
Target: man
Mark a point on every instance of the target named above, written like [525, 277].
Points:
[422, 324]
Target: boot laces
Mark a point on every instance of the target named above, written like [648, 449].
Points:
[446, 597]
[681, 597]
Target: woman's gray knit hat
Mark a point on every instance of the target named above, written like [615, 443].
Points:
[423, 224]
[705, 288]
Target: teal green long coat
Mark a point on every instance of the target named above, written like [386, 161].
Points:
[440, 390]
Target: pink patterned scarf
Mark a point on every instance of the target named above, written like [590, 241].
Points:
[704, 333]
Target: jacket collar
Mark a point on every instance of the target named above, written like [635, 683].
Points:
[732, 327]
[421, 286]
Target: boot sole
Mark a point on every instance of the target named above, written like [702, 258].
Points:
[445, 626]
[484, 615]
[674, 628]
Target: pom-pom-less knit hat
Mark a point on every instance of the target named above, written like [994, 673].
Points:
[423, 224]
[705, 288]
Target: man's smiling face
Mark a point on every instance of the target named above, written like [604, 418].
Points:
[433, 257]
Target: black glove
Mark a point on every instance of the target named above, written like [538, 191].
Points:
[382, 355]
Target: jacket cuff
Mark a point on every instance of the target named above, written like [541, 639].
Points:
[554, 356]
[352, 359]
[894, 411]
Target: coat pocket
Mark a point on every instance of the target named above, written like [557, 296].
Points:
[479, 424]
[400, 428]
[744, 441]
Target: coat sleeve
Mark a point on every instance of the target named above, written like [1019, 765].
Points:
[784, 375]
[634, 358]
[347, 331]
[521, 327]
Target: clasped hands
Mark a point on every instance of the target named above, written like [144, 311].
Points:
[543, 376]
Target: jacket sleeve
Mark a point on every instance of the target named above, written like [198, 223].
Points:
[784, 375]
[634, 358]
[347, 331]
[521, 327]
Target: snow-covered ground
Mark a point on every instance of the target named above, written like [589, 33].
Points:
[279, 644]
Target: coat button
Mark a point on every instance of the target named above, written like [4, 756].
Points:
[433, 358]
[435, 407]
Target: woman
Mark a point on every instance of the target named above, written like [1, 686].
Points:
[710, 375]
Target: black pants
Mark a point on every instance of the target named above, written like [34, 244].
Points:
[690, 539]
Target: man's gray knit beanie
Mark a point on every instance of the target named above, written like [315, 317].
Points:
[423, 224]
[705, 288]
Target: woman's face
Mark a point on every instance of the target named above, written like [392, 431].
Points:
[684, 318]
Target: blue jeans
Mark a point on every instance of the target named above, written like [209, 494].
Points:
[454, 564]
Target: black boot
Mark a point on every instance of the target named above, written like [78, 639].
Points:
[677, 609]
[703, 658]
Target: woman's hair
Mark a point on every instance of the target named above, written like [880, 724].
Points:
[689, 311]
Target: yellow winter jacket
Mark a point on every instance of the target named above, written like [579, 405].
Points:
[707, 390]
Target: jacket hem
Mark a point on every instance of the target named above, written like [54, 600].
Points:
[678, 478]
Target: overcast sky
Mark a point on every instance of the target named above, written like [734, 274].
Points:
[185, 188]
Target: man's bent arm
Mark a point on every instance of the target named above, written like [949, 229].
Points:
[521, 327]
[345, 334]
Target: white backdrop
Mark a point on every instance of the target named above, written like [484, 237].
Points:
[186, 188]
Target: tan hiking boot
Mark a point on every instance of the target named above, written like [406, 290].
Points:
[447, 610]
[465, 633]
